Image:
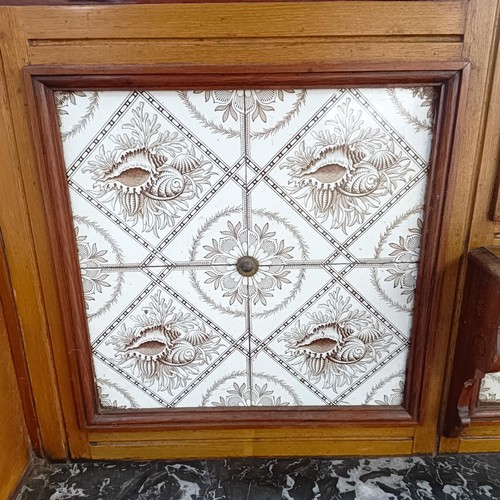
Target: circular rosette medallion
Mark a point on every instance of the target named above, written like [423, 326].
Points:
[96, 250]
[269, 241]
[399, 247]
[235, 390]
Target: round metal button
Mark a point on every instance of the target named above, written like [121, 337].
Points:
[247, 266]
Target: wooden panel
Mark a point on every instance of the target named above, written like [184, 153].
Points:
[477, 344]
[15, 455]
[375, 431]
[479, 445]
[31, 265]
[287, 19]
[251, 447]
[471, 225]
[477, 49]
[291, 51]
[52, 172]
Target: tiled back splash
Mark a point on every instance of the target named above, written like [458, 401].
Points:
[319, 191]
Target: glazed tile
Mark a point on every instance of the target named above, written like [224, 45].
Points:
[383, 387]
[300, 233]
[202, 236]
[335, 343]
[490, 389]
[197, 111]
[276, 383]
[346, 168]
[161, 338]
[410, 110]
[284, 119]
[104, 241]
[145, 169]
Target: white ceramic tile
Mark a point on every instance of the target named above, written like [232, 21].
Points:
[301, 234]
[276, 383]
[158, 338]
[336, 342]
[203, 235]
[387, 289]
[410, 110]
[281, 306]
[348, 167]
[104, 241]
[227, 385]
[144, 169]
[324, 188]
[385, 386]
[198, 111]
[490, 389]
[287, 117]
[394, 236]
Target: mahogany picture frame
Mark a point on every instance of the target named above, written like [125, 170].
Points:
[450, 80]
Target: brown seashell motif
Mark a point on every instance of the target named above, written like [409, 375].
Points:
[196, 337]
[364, 180]
[353, 350]
[186, 163]
[151, 342]
[132, 202]
[182, 352]
[383, 159]
[368, 335]
[324, 341]
[134, 172]
[329, 168]
[324, 199]
[169, 185]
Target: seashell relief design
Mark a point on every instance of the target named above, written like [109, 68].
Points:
[150, 175]
[337, 343]
[319, 191]
[343, 176]
[163, 346]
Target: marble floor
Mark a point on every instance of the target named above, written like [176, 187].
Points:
[444, 477]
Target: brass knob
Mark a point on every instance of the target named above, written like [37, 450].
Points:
[247, 266]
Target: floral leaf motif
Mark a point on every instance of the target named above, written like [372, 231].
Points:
[406, 253]
[259, 243]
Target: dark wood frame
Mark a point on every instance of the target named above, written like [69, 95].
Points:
[451, 81]
[478, 344]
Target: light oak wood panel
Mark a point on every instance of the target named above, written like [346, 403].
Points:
[479, 445]
[487, 202]
[27, 248]
[480, 164]
[234, 20]
[304, 433]
[478, 41]
[15, 456]
[250, 446]
[197, 52]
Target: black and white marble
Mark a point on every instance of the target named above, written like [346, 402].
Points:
[444, 477]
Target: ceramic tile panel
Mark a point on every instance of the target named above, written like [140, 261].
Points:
[335, 342]
[490, 389]
[318, 192]
[142, 170]
[347, 165]
[158, 342]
